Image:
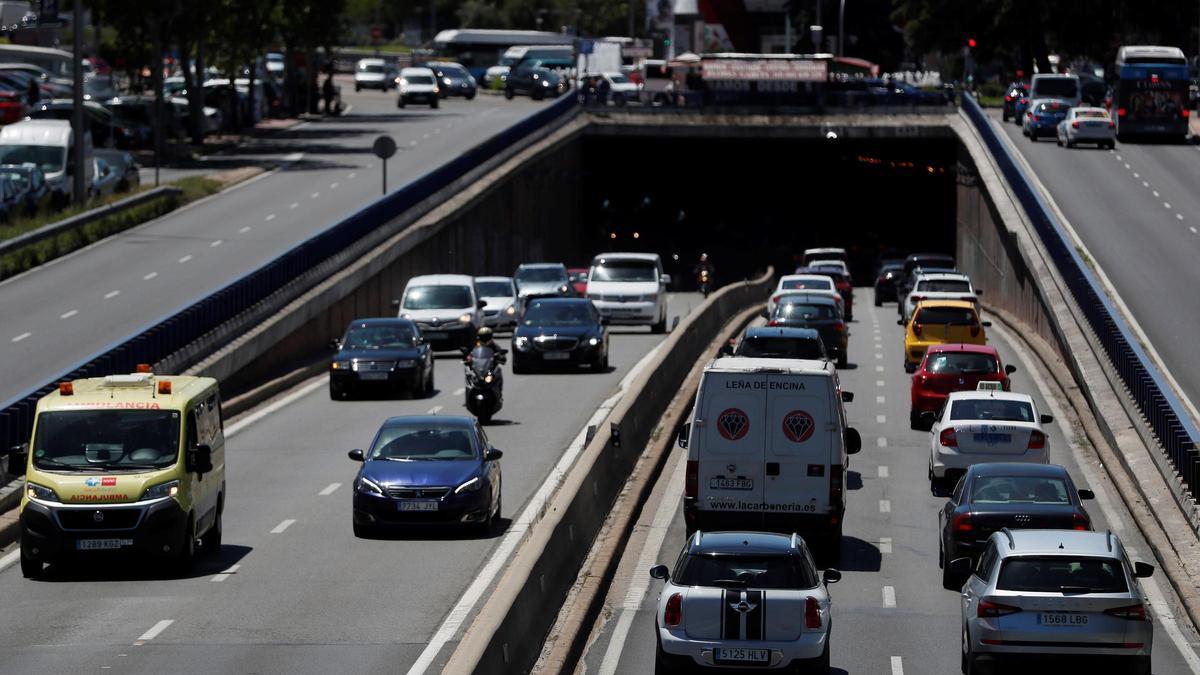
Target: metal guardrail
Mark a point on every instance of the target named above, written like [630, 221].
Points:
[67, 224]
[162, 337]
[1162, 409]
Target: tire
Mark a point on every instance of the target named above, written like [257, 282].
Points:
[1140, 666]
[358, 88]
[429, 388]
[1058, 141]
[1032, 136]
[335, 392]
[509, 93]
[1070, 143]
[363, 531]
[471, 96]
[485, 526]
[433, 103]
[662, 664]
[186, 557]
[30, 568]
[914, 421]
[820, 664]
[660, 327]
[400, 102]
[841, 361]
[598, 366]
[878, 302]
[537, 94]
[518, 366]
[210, 543]
[909, 367]
[950, 580]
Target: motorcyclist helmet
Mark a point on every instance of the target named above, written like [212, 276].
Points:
[484, 335]
[703, 257]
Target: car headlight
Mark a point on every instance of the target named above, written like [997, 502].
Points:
[545, 83]
[406, 316]
[35, 491]
[472, 485]
[465, 318]
[167, 489]
[510, 310]
[521, 343]
[341, 365]
[368, 486]
[593, 341]
[563, 288]
[446, 81]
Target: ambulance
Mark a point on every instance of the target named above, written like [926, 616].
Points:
[124, 464]
[768, 448]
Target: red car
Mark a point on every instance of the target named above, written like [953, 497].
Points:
[953, 367]
[578, 280]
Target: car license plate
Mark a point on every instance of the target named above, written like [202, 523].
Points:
[731, 483]
[101, 544]
[426, 505]
[740, 655]
[993, 439]
[1062, 619]
[372, 376]
[435, 336]
[556, 356]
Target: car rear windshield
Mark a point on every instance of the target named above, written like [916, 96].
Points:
[991, 409]
[418, 79]
[805, 312]
[1063, 87]
[1094, 114]
[781, 348]
[48, 158]
[370, 68]
[624, 270]
[540, 275]
[777, 572]
[1054, 107]
[816, 284]
[379, 337]
[946, 363]
[437, 297]
[1062, 574]
[494, 289]
[411, 443]
[944, 286]
[1019, 489]
[953, 316]
[100, 440]
[541, 313]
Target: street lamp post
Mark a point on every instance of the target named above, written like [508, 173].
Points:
[78, 186]
[841, 27]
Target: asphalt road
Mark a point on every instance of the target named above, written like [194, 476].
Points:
[1137, 211]
[300, 593]
[918, 633]
[62, 313]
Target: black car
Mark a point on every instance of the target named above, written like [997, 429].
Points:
[107, 130]
[1014, 495]
[1015, 92]
[885, 281]
[453, 79]
[381, 354]
[533, 79]
[560, 331]
[923, 260]
[818, 312]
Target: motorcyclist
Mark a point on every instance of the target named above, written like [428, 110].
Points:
[484, 340]
[702, 267]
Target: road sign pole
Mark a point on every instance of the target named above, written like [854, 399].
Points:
[385, 176]
[384, 147]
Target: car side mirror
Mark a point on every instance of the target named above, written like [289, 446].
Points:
[684, 432]
[396, 304]
[659, 572]
[831, 576]
[492, 455]
[356, 455]
[481, 304]
[1046, 419]
[978, 291]
[665, 279]
[725, 350]
[985, 324]
[961, 566]
[1086, 494]
[1143, 570]
[853, 441]
[928, 417]
[847, 397]
[18, 457]
[335, 344]
[199, 459]
[1010, 369]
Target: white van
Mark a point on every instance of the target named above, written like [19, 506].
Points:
[445, 308]
[50, 145]
[768, 448]
[630, 288]
[1061, 87]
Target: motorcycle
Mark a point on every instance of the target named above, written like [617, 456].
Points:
[704, 282]
[485, 382]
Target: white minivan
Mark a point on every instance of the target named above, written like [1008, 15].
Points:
[630, 288]
[446, 309]
[768, 448]
[50, 145]
[1053, 85]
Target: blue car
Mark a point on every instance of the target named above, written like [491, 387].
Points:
[427, 470]
[1043, 117]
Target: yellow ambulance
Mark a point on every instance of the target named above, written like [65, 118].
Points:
[124, 464]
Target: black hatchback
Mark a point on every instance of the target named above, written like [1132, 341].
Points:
[383, 355]
[990, 497]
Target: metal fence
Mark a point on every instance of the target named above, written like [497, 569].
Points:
[164, 336]
[1163, 410]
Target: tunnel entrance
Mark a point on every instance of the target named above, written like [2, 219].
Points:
[753, 201]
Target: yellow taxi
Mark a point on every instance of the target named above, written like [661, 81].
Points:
[124, 464]
[940, 322]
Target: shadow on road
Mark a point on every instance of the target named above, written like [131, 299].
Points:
[859, 556]
[97, 569]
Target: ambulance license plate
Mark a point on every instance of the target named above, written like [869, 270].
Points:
[419, 506]
[101, 544]
[740, 655]
[731, 483]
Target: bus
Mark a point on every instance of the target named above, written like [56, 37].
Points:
[478, 49]
[1151, 94]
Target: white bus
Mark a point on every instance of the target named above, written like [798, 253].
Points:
[479, 49]
[54, 61]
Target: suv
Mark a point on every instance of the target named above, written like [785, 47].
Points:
[531, 78]
[418, 85]
[750, 600]
[373, 74]
[1035, 593]
[445, 308]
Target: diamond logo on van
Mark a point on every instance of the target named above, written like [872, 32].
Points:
[733, 424]
[798, 426]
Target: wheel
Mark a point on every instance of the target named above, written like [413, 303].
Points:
[509, 93]
[400, 102]
[433, 103]
[471, 96]
[363, 531]
[485, 417]
[1070, 143]
[335, 392]
[1058, 141]
[661, 326]
[662, 664]
[841, 361]
[878, 302]
[30, 568]
[914, 420]
[1032, 137]
[358, 88]
[1140, 666]
[429, 384]
[910, 367]
[187, 548]
[518, 366]
[485, 526]
[820, 664]
[210, 543]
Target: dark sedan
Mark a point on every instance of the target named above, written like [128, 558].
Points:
[453, 79]
[560, 331]
[772, 342]
[427, 470]
[381, 354]
[107, 130]
[1017, 496]
[885, 281]
[801, 310]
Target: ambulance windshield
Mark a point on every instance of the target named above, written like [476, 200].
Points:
[106, 440]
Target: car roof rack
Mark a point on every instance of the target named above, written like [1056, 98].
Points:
[1012, 544]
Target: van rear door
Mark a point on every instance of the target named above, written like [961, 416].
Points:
[732, 439]
[801, 444]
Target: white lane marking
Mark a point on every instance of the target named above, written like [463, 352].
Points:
[881, 419]
[293, 205]
[278, 529]
[1118, 158]
[244, 230]
[1193, 229]
[880, 399]
[67, 315]
[879, 369]
[460, 391]
[437, 130]
[295, 156]
[22, 336]
[878, 337]
[218, 578]
[1137, 175]
[240, 425]
[316, 194]
[425, 136]
[884, 472]
[1145, 184]
[1154, 192]
[521, 526]
[879, 355]
[370, 166]
[155, 630]
[330, 489]
[12, 557]
[885, 506]
[270, 217]
[434, 410]
[111, 294]
[881, 442]
[217, 243]
[1166, 205]
[880, 383]
[413, 143]
[1179, 216]
[897, 665]
[185, 259]
[885, 544]
[1126, 165]
[889, 596]
[150, 276]
[333, 186]
[352, 175]
[641, 582]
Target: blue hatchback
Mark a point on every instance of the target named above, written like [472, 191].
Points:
[427, 470]
[1043, 117]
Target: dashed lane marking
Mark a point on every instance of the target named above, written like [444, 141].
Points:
[881, 442]
[434, 410]
[270, 217]
[897, 665]
[885, 544]
[218, 578]
[330, 489]
[880, 383]
[879, 369]
[293, 205]
[316, 194]
[155, 630]
[149, 276]
[185, 259]
[67, 315]
[889, 596]
[881, 419]
[333, 186]
[885, 506]
[278, 529]
[244, 230]
[22, 336]
[884, 472]
[217, 243]
[111, 294]
[880, 399]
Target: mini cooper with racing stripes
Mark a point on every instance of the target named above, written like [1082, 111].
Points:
[743, 600]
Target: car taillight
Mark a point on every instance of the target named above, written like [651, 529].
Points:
[975, 330]
[962, 523]
[776, 298]
[673, 614]
[1037, 440]
[1112, 125]
[691, 479]
[1120, 112]
[1037, 118]
[1008, 98]
[989, 609]
[812, 613]
[917, 329]
[1029, 114]
[1186, 113]
[948, 438]
[1075, 125]
[1079, 522]
[839, 327]
[772, 322]
[835, 485]
[1131, 612]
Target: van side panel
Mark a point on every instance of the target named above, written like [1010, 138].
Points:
[732, 435]
[801, 436]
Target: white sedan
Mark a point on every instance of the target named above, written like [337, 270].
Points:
[1087, 125]
[744, 600]
[805, 283]
[939, 286]
[976, 427]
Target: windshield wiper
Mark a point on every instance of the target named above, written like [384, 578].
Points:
[729, 582]
[1075, 590]
[39, 461]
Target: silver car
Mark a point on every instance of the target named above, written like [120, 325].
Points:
[1035, 593]
[1087, 125]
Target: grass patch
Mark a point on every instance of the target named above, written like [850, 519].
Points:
[21, 260]
[384, 48]
[991, 100]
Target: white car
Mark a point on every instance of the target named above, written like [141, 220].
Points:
[744, 600]
[445, 308]
[809, 283]
[975, 427]
[630, 288]
[828, 253]
[1087, 125]
[417, 85]
[501, 307]
[939, 286]
[621, 89]
[373, 74]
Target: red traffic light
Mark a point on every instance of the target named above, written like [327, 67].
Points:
[971, 42]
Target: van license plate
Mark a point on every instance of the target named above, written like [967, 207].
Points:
[740, 655]
[1062, 619]
[101, 544]
[419, 506]
[731, 483]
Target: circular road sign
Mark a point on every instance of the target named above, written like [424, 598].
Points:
[384, 147]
